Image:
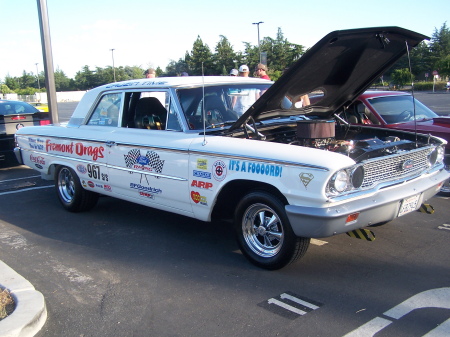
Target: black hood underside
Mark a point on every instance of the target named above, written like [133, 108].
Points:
[341, 66]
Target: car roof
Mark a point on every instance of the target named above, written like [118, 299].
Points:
[179, 82]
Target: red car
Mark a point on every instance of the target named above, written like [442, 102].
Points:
[395, 110]
[13, 116]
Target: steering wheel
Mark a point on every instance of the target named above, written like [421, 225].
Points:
[405, 115]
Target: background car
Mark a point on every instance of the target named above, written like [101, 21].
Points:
[395, 110]
[43, 107]
[13, 116]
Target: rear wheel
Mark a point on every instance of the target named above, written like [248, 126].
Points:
[71, 194]
[264, 233]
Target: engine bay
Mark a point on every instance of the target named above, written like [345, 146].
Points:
[358, 142]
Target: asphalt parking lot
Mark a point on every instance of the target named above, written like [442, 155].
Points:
[127, 270]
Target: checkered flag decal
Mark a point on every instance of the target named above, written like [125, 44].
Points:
[131, 157]
[154, 161]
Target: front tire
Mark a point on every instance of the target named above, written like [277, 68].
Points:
[264, 233]
[71, 194]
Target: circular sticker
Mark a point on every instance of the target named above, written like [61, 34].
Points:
[219, 170]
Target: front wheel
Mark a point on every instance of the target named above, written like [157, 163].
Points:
[71, 194]
[445, 189]
[264, 233]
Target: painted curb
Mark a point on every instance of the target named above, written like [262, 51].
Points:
[30, 313]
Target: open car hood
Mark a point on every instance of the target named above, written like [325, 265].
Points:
[341, 66]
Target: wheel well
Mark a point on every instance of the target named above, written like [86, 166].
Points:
[234, 191]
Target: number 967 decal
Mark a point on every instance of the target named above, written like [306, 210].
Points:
[93, 172]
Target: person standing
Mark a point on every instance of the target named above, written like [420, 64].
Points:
[150, 73]
[244, 71]
[234, 72]
[246, 97]
[261, 71]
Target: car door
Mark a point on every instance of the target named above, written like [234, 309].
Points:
[148, 157]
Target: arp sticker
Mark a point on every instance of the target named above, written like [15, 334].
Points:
[202, 184]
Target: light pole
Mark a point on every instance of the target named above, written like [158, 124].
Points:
[259, 46]
[114, 69]
[37, 75]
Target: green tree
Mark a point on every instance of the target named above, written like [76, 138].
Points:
[280, 52]
[5, 90]
[12, 82]
[62, 82]
[443, 66]
[27, 80]
[88, 79]
[400, 77]
[440, 49]
[225, 58]
[200, 55]
[440, 42]
[175, 68]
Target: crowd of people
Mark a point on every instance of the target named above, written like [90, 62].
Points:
[244, 71]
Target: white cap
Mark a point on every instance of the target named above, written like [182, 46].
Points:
[234, 72]
[243, 69]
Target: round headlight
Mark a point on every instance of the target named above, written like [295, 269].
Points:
[436, 156]
[340, 181]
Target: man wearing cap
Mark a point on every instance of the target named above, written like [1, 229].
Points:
[246, 97]
[234, 72]
[150, 73]
[261, 71]
[244, 71]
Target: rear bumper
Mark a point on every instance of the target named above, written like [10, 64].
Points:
[382, 206]
[18, 155]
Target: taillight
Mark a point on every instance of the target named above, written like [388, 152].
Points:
[44, 122]
[18, 118]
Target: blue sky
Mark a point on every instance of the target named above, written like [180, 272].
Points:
[151, 33]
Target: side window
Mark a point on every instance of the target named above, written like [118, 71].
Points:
[107, 111]
[172, 118]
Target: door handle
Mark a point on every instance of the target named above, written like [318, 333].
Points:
[110, 143]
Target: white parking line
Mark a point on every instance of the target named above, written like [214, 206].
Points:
[26, 189]
[445, 226]
[299, 301]
[434, 298]
[442, 330]
[4, 181]
[287, 306]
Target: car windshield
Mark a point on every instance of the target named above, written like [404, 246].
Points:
[222, 103]
[400, 109]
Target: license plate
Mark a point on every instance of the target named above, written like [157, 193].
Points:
[409, 205]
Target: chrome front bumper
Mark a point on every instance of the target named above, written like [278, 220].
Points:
[384, 205]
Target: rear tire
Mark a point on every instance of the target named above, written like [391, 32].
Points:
[71, 194]
[264, 233]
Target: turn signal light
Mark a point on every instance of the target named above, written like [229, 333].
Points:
[352, 218]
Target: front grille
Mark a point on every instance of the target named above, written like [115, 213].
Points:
[393, 167]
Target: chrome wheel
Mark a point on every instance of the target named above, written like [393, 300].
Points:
[66, 185]
[446, 187]
[262, 230]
